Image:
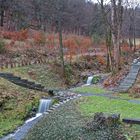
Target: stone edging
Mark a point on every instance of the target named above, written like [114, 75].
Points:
[23, 63]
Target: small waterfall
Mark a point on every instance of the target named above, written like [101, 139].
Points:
[89, 80]
[44, 105]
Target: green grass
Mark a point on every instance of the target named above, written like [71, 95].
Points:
[9, 125]
[91, 89]
[100, 90]
[40, 73]
[91, 105]
[126, 96]
[16, 102]
[15, 105]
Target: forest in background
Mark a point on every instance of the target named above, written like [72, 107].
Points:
[115, 23]
[78, 16]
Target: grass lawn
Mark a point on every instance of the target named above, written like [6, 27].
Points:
[91, 89]
[91, 105]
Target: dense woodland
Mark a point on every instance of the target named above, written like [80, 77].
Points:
[77, 16]
[112, 22]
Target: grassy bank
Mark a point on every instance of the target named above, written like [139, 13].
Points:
[40, 73]
[16, 104]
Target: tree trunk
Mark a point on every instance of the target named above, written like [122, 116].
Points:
[2, 14]
[109, 56]
[108, 38]
[134, 35]
[116, 19]
[61, 46]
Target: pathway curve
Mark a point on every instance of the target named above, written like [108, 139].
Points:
[130, 79]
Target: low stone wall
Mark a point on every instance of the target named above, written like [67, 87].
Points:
[24, 63]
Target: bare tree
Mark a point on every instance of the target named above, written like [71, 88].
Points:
[116, 24]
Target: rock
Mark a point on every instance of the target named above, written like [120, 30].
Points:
[51, 92]
[101, 120]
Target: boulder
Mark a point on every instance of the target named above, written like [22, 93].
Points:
[101, 121]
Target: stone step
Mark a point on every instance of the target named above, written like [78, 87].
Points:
[6, 76]
[126, 84]
[38, 86]
[30, 83]
[122, 90]
[20, 84]
[132, 75]
[14, 78]
[135, 66]
[134, 71]
[24, 80]
[129, 80]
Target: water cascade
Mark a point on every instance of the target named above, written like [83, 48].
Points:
[89, 80]
[44, 105]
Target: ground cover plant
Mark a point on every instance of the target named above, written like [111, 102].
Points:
[69, 122]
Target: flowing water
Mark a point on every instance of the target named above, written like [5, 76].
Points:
[21, 132]
[89, 80]
[44, 105]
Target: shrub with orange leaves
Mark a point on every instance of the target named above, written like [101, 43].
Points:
[51, 41]
[22, 35]
[17, 36]
[39, 38]
[77, 44]
[136, 90]
[125, 48]
[101, 59]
